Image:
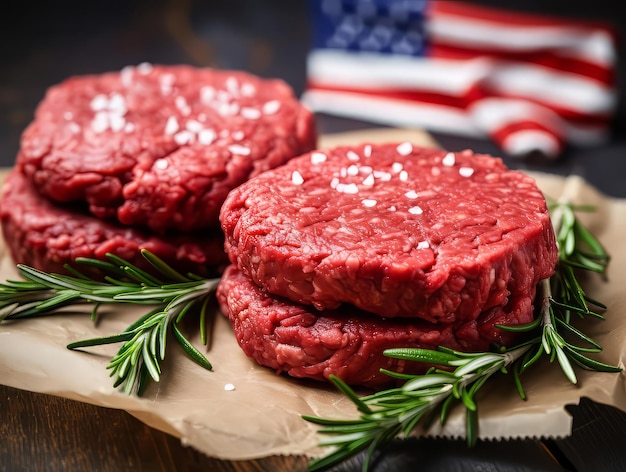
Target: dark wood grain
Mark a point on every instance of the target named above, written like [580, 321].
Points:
[45, 433]
[45, 42]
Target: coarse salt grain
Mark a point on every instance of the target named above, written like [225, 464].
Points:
[384, 176]
[207, 94]
[229, 387]
[116, 122]
[250, 113]
[100, 122]
[353, 170]
[352, 156]
[466, 171]
[181, 104]
[347, 188]
[228, 109]
[117, 104]
[405, 148]
[144, 68]
[248, 89]
[161, 164]
[126, 76]
[369, 203]
[271, 107]
[296, 178]
[369, 180]
[318, 158]
[99, 102]
[206, 136]
[194, 126]
[171, 126]
[448, 160]
[166, 81]
[238, 149]
[232, 85]
[183, 137]
[416, 210]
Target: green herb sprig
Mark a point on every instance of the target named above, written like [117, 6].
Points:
[172, 294]
[458, 376]
[384, 415]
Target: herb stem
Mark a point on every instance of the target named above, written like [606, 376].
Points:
[384, 414]
[144, 341]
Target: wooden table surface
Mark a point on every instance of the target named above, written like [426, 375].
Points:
[47, 433]
[54, 40]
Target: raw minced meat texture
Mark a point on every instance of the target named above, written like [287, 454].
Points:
[46, 236]
[349, 343]
[394, 229]
[161, 146]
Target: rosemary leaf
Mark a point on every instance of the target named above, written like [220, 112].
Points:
[143, 348]
[396, 411]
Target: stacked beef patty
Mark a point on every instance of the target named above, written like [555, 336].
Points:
[144, 158]
[342, 253]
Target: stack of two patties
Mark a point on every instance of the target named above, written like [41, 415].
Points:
[143, 158]
[344, 252]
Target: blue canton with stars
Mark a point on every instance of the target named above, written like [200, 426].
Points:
[376, 26]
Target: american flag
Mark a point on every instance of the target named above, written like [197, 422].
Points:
[528, 81]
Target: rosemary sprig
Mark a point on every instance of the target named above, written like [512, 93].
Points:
[172, 294]
[384, 415]
[457, 377]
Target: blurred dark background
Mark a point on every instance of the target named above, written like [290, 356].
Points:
[42, 43]
[45, 42]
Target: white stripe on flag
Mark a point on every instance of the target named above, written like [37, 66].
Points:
[391, 111]
[593, 46]
[493, 113]
[523, 142]
[454, 78]
[372, 70]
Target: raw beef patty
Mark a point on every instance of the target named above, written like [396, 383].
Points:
[47, 236]
[161, 146]
[349, 343]
[394, 229]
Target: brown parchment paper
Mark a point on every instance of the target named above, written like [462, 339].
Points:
[262, 415]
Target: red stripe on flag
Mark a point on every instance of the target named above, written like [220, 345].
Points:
[465, 10]
[548, 59]
[461, 102]
[502, 132]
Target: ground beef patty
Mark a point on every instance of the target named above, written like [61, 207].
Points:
[393, 229]
[161, 146]
[47, 236]
[303, 342]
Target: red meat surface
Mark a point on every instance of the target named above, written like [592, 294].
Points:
[394, 229]
[348, 342]
[161, 146]
[46, 236]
